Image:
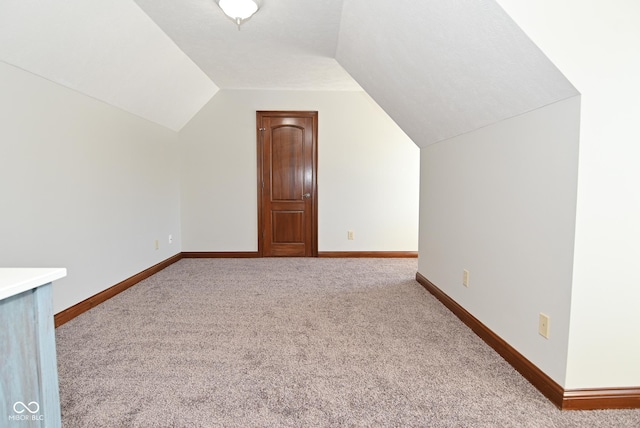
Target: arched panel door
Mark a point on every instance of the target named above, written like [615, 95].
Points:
[287, 163]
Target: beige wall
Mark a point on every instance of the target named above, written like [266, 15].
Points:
[368, 173]
[84, 186]
[596, 46]
[500, 202]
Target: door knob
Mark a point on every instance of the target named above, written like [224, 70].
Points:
[306, 195]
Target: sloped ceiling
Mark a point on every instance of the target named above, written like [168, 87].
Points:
[445, 68]
[439, 68]
[288, 44]
[110, 50]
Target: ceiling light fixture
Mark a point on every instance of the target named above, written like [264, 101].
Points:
[239, 10]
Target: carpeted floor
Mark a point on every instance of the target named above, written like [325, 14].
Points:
[292, 343]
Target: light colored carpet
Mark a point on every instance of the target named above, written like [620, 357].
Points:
[292, 343]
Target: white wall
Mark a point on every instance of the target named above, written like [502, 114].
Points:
[596, 45]
[83, 185]
[368, 173]
[500, 202]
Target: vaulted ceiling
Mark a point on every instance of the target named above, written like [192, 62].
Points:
[288, 44]
[439, 68]
[444, 68]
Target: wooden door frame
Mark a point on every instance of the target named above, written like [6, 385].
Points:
[314, 179]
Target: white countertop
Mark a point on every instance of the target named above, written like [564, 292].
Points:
[16, 280]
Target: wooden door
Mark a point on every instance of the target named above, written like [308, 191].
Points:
[287, 195]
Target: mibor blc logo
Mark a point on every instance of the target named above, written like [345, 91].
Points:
[26, 412]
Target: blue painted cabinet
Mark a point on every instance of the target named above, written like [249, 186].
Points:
[29, 395]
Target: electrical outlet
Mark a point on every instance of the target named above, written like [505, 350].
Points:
[350, 235]
[543, 325]
[465, 277]
[157, 244]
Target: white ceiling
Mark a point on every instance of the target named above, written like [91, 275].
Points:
[438, 68]
[445, 68]
[288, 44]
[109, 50]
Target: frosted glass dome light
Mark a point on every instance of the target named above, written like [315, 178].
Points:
[238, 10]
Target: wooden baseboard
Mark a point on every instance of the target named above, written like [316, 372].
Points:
[602, 398]
[368, 254]
[533, 374]
[220, 254]
[79, 308]
[323, 254]
[577, 399]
